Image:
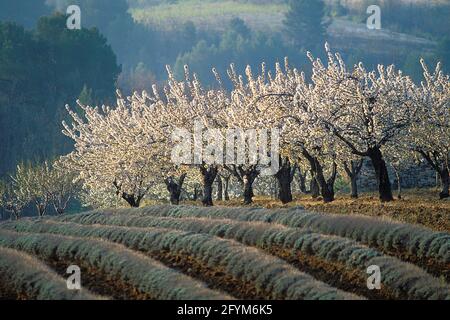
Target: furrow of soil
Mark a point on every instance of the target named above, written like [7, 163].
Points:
[94, 280]
[334, 274]
[8, 293]
[99, 282]
[215, 277]
[433, 267]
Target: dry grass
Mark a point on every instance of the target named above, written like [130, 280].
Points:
[211, 14]
[417, 207]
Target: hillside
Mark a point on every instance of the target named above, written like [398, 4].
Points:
[259, 14]
[211, 14]
[349, 35]
[268, 16]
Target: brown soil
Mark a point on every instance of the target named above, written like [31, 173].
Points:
[9, 293]
[216, 278]
[99, 282]
[436, 268]
[412, 208]
[334, 273]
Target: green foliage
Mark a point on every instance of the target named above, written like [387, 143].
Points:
[443, 53]
[3, 189]
[25, 274]
[304, 23]
[41, 71]
[86, 96]
[23, 12]
[341, 185]
[111, 18]
[165, 14]
[236, 44]
[422, 19]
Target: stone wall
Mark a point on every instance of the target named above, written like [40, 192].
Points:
[417, 176]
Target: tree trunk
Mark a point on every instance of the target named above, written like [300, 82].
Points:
[174, 196]
[382, 175]
[41, 209]
[284, 177]
[326, 187]
[445, 180]
[248, 191]
[13, 211]
[302, 182]
[207, 194]
[327, 193]
[314, 187]
[225, 190]
[219, 188]
[246, 177]
[285, 193]
[354, 187]
[353, 172]
[131, 200]
[441, 169]
[175, 187]
[209, 174]
[195, 195]
[399, 182]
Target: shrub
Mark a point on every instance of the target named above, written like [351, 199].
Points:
[392, 236]
[145, 274]
[245, 263]
[402, 278]
[26, 274]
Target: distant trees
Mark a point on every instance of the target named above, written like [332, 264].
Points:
[137, 79]
[40, 71]
[353, 169]
[235, 44]
[14, 200]
[304, 22]
[62, 186]
[25, 13]
[41, 185]
[420, 17]
[443, 53]
[33, 183]
[111, 18]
